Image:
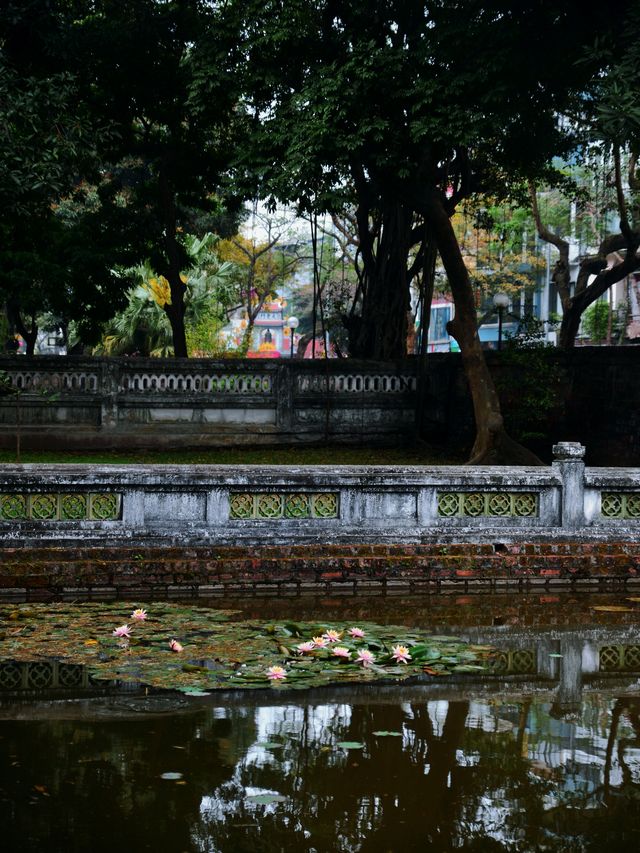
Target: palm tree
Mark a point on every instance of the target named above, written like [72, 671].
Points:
[143, 327]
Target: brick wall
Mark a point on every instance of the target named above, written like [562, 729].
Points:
[273, 569]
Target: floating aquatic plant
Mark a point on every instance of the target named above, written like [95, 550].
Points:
[219, 650]
[400, 654]
[276, 673]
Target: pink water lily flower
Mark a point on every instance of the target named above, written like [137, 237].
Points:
[332, 636]
[400, 654]
[320, 642]
[356, 633]
[139, 614]
[341, 652]
[365, 657]
[175, 646]
[276, 673]
[122, 631]
[305, 648]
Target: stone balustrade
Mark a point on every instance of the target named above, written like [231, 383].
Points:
[137, 402]
[253, 505]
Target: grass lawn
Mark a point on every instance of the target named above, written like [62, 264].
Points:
[329, 455]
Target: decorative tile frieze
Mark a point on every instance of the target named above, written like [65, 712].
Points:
[277, 505]
[620, 504]
[514, 661]
[495, 504]
[55, 506]
[619, 658]
[40, 675]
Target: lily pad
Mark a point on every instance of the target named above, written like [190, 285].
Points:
[265, 799]
[171, 776]
[269, 744]
[388, 734]
[224, 651]
[350, 744]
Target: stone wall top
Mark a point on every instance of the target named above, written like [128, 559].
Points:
[261, 505]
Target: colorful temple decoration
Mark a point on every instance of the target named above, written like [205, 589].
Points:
[271, 336]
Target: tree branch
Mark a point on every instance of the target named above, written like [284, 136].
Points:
[543, 232]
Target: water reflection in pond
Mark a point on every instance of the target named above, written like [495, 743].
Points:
[543, 756]
[340, 773]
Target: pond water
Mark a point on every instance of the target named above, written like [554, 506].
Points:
[544, 754]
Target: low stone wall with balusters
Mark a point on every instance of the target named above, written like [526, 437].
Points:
[132, 402]
[80, 403]
[332, 524]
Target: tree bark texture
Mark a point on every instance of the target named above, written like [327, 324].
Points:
[381, 332]
[175, 313]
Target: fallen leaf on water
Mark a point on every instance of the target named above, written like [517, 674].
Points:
[633, 598]
[612, 608]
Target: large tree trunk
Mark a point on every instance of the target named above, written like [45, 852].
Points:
[175, 309]
[175, 313]
[571, 317]
[492, 445]
[381, 332]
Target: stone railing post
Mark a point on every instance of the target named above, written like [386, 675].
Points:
[284, 395]
[568, 460]
[109, 388]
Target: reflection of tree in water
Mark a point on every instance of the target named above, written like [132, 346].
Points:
[411, 788]
[100, 781]
[444, 785]
[474, 776]
[608, 817]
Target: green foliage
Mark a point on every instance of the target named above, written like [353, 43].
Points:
[143, 326]
[123, 97]
[45, 139]
[529, 382]
[595, 321]
[599, 320]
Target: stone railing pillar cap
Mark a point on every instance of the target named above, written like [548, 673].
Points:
[568, 451]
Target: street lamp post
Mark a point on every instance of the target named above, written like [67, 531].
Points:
[500, 301]
[293, 324]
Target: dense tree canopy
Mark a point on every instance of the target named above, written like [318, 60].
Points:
[404, 109]
[395, 110]
[161, 124]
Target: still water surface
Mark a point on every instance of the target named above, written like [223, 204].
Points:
[543, 757]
